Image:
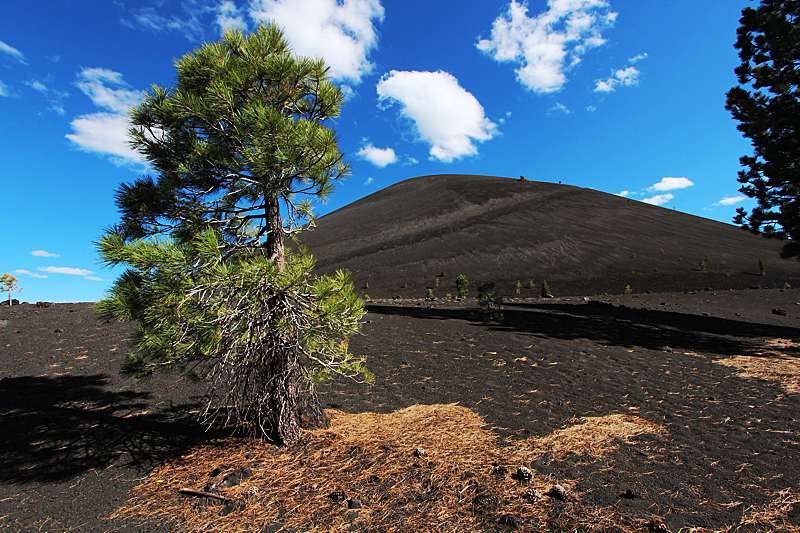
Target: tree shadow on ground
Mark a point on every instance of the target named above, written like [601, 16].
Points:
[56, 428]
[612, 326]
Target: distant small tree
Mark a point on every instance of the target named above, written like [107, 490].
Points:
[487, 296]
[430, 294]
[518, 287]
[546, 289]
[767, 106]
[762, 267]
[628, 289]
[8, 283]
[242, 134]
[462, 285]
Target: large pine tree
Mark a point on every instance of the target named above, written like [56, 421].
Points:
[236, 143]
[767, 105]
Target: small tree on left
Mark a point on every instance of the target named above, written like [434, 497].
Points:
[8, 283]
[240, 137]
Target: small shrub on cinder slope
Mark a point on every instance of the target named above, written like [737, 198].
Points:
[430, 294]
[518, 287]
[462, 285]
[762, 268]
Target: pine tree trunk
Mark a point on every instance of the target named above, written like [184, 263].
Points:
[274, 244]
[283, 426]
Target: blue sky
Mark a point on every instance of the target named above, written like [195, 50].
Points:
[622, 96]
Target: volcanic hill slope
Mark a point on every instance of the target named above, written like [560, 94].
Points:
[396, 242]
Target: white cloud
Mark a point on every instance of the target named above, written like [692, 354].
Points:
[369, 181]
[637, 58]
[230, 17]
[5, 90]
[624, 194]
[53, 96]
[13, 52]
[671, 184]
[106, 132]
[559, 108]
[29, 273]
[659, 199]
[42, 253]
[731, 200]
[93, 278]
[340, 31]
[549, 44]
[625, 77]
[446, 116]
[380, 157]
[66, 270]
[189, 25]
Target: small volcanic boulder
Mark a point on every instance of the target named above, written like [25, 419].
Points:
[420, 452]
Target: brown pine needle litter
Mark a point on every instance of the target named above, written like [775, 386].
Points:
[779, 361]
[425, 468]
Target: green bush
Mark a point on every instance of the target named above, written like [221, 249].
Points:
[462, 285]
[430, 294]
[762, 268]
[628, 289]
[518, 287]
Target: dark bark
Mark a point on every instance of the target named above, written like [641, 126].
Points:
[282, 426]
[274, 245]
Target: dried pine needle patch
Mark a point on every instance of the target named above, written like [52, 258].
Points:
[778, 361]
[426, 468]
[591, 436]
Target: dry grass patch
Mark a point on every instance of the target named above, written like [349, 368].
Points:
[594, 436]
[462, 482]
[778, 361]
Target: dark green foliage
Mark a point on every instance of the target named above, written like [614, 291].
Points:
[546, 289]
[628, 289]
[703, 264]
[487, 296]
[767, 106]
[518, 287]
[462, 285]
[430, 294]
[443, 274]
[762, 267]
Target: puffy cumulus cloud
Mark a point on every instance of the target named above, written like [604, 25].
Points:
[671, 184]
[547, 45]
[42, 253]
[29, 274]
[624, 194]
[659, 199]
[230, 17]
[66, 270]
[13, 52]
[106, 132]
[622, 77]
[380, 157]
[730, 200]
[446, 116]
[341, 32]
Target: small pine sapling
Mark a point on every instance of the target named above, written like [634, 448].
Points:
[546, 290]
[628, 289]
[462, 285]
[518, 287]
[531, 284]
[762, 268]
[430, 294]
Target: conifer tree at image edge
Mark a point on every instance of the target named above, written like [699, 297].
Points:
[240, 144]
[767, 106]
